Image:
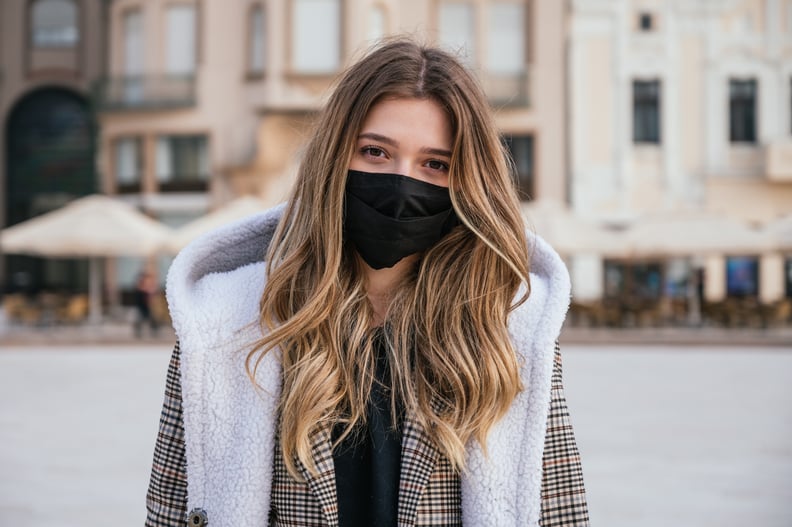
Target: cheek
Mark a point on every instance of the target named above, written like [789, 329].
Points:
[356, 163]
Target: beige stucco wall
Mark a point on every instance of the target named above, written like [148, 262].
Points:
[751, 12]
[691, 103]
[548, 98]
[596, 82]
[751, 200]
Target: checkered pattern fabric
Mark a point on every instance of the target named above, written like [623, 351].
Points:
[563, 494]
[429, 487]
[309, 502]
[166, 501]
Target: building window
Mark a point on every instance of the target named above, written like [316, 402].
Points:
[377, 26]
[635, 282]
[742, 276]
[182, 163]
[521, 149]
[789, 18]
[645, 22]
[128, 164]
[742, 111]
[257, 52]
[180, 53]
[133, 42]
[614, 279]
[316, 36]
[54, 24]
[646, 111]
[132, 90]
[457, 29]
[506, 38]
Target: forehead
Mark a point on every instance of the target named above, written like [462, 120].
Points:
[418, 120]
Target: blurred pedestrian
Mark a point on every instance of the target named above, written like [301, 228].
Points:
[393, 359]
[145, 291]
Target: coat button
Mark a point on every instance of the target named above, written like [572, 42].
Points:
[197, 518]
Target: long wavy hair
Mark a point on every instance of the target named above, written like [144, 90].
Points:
[452, 364]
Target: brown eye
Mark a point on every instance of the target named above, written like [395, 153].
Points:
[437, 165]
[373, 151]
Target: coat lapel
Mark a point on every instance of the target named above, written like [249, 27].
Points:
[323, 484]
[419, 456]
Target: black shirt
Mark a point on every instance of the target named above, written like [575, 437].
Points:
[368, 461]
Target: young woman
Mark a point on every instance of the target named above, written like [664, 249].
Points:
[382, 349]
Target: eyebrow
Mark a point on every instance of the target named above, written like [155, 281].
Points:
[387, 140]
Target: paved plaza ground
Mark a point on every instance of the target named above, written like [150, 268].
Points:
[670, 436]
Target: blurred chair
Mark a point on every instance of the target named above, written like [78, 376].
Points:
[715, 313]
[19, 308]
[777, 314]
[75, 310]
[583, 314]
[612, 313]
[48, 304]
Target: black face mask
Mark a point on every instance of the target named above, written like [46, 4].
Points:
[390, 216]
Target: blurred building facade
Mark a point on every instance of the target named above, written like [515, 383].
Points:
[206, 101]
[209, 100]
[180, 106]
[51, 52]
[679, 105]
[620, 108]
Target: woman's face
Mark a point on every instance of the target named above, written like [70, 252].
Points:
[405, 136]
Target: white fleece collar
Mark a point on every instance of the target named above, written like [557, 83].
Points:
[213, 288]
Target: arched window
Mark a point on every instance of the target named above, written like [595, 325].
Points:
[54, 24]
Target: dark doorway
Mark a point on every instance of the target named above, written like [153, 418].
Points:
[50, 149]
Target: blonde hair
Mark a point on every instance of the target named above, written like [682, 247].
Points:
[452, 363]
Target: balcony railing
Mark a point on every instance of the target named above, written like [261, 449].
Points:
[185, 185]
[508, 89]
[148, 92]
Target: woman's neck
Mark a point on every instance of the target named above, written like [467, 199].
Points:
[381, 283]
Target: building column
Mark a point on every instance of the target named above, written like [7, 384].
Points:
[771, 278]
[715, 278]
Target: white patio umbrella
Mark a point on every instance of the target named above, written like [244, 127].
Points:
[567, 232]
[692, 233]
[94, 226]
[234, 210]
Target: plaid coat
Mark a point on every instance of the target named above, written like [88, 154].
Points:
[217, 448]
[430, 490]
